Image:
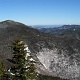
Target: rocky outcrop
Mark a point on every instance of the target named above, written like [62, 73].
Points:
[60, 65]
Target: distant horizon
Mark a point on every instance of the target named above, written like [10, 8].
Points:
[54, 24]
[41, 24]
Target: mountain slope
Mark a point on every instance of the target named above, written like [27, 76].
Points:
[9, 31]
[56, 55]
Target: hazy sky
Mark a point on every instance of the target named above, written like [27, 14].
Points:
[34, 12]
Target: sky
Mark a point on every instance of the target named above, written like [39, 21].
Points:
[41, 12]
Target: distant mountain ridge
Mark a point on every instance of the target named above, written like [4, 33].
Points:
[44, 26]
[61, 30]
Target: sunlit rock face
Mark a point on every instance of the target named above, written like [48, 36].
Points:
[59, 63]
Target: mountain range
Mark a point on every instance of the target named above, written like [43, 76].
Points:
[61, 30]
[56, 50]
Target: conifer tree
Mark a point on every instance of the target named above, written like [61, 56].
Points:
[23, 64]
[2, 70]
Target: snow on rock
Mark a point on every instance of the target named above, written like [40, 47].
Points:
[31, 59]
[28, 53]
[60, 64]
[45, 56]
[27, 49]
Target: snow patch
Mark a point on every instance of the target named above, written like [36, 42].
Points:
[60, 64]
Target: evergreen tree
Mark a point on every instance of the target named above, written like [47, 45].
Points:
[2, 70]
[23, 64]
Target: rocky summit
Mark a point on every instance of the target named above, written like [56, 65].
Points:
[57, 56]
